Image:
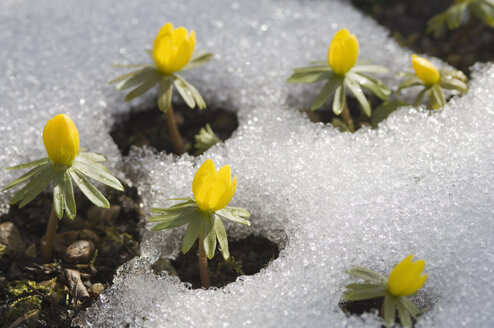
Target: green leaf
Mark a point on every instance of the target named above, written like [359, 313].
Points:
[453, 84]
[436, 96]
[309, 77]
[34, 187]
[319, 62]
[313, 69]
[411, 82]
[58, 195]
[367, 275]
[198, 58]
[339, 99]
[131, 79]
[165, 94]
[339, 124]
[369, 69]
[384, 110]
[185, 93]
[454, 14]
[205, 139]
[175, 208]
[23, 178]
[484, 11]
[191, 234]
[37, 162]
[94, 157]
[176, 220]
[405, 319]
[419, 97]
[69, 200]
[219, 228]
[373, 85]
[436, 23]
[143, 88]
[365, 293]
[93, 194]
[150, 53]
[389, 310]
[209, 235]
[94, 172]
[326, 91]
[359, 94]
[234, 214]
[411, 308]
[197, 96]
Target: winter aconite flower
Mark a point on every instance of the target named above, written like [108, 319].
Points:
[63, 166]
[343, 52]
[425, 71]
[61, 139]
[406, 279]
[433, 82]
[342, 73]
[173, 52]
[212, 189]
[173, 48]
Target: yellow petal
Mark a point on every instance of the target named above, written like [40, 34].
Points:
[425, 71]
[405, 277]
[61, 139]
[213, 190]
[343, 52]
[173, 48]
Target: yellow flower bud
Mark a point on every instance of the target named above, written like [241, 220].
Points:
[61, 139]
[425, 71]
[343, 52]
[213, 189]
[173, 48]
[405, 278]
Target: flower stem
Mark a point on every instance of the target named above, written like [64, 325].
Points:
[203, 264]
[347, 118]
[47, 243]
[178, 144]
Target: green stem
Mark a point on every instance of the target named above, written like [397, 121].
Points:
[203, 264]
[178, 144]
[47, 243]
[347, 118]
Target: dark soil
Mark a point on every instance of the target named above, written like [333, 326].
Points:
[361, 307]
[407, 21]
[325, 114]
[365, 306]
[28, 284]
[247, 257]
[148, 127]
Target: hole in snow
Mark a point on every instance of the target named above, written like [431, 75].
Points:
[149, 128]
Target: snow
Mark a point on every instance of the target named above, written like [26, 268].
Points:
[421, 183]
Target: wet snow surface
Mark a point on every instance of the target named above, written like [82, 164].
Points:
[422, 183]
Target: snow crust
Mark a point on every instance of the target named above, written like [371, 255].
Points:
[422, 183]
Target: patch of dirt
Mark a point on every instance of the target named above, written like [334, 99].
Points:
[407, 20]
[34, 294]
[148, 127]
[247, 257]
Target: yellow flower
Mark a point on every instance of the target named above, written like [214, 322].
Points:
[213, 189]
[425, 71]
[405, 278]
[343, 52]
[173, 48]
[61, 139]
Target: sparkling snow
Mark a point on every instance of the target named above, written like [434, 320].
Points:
[422, 183]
